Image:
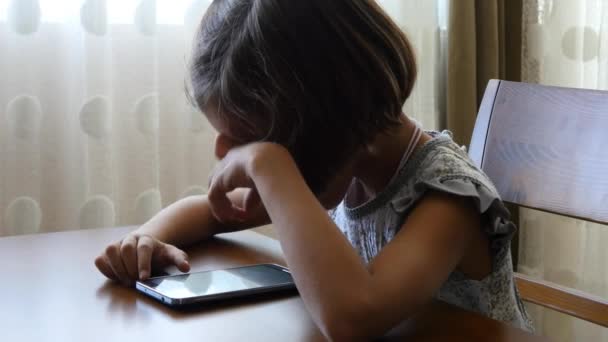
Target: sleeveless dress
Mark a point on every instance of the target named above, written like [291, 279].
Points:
[441, 165]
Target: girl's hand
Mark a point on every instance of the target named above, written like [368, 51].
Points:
[133, 257]
[234, 171]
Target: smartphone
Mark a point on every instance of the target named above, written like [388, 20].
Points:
[203, 287]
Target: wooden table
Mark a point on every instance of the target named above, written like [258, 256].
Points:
[51, 291]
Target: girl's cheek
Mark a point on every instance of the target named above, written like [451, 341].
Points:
[334, 194]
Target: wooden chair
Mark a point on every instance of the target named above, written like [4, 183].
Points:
[546, 148]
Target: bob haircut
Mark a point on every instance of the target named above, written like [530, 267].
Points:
[320, 77]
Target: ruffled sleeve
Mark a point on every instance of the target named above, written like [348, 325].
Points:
[450, 171]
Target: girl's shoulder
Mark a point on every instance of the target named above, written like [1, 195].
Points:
[439, 165]
[441, 160]
[442, 165]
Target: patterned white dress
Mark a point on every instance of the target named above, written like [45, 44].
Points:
[441, 165]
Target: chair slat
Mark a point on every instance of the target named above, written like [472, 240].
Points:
[547, 148]
[562, 299]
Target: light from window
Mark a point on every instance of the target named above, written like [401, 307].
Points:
[168, 12]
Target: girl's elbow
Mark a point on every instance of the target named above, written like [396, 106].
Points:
[352, 324]
[344, 331]
[360, 323]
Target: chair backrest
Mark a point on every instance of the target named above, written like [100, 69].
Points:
[546, 148]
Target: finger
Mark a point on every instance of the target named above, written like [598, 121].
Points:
[219, 203]
[145, 249]
[252, 201]
[210, 178]
[217, 169]
[128, 254]
[113, 255]
[177, 257]
[103, 266]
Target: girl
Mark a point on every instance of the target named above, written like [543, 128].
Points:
[306, 97]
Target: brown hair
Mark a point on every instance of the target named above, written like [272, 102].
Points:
[321, 77]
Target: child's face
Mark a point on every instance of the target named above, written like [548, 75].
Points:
[336, 189]
[229, 138]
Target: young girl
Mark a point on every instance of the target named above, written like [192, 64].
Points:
[306, 97]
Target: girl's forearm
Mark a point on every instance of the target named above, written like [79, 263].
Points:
[183, 223]
[330, 275]
[190, 220]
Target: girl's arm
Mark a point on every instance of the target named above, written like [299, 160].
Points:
[183, 223]
[347, 299]
[190, 220]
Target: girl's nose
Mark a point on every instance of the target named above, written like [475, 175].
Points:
[223, 144]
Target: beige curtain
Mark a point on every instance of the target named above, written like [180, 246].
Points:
[555, 42]
[97, 132]
[564, 44]
[484, 43]
[95, 129]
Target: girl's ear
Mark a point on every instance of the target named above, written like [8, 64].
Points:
[223, 144]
